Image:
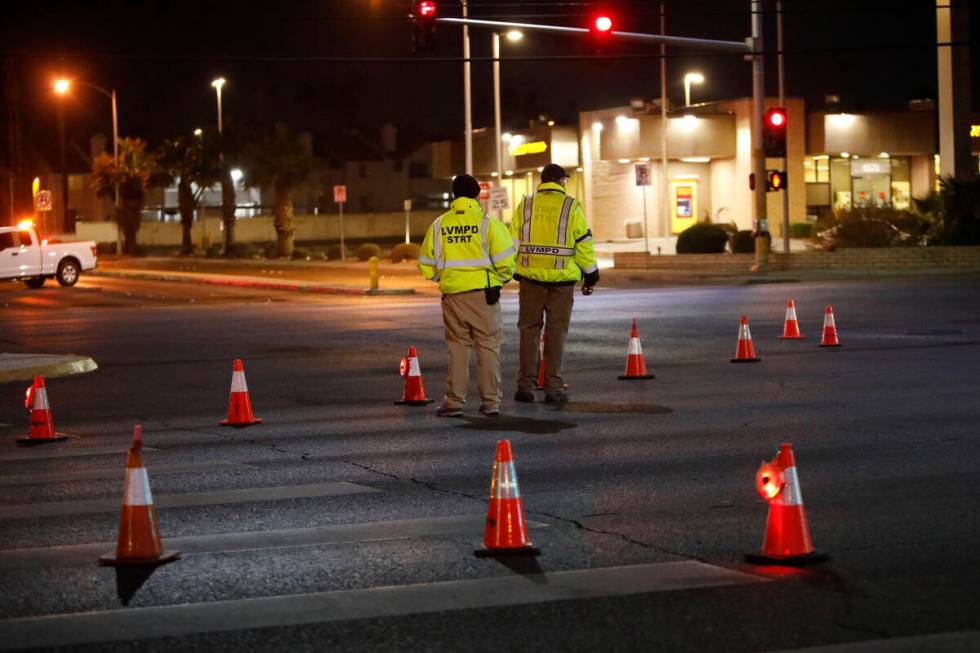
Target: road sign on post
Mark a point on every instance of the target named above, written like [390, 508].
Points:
[408, 217]
[499, 201]
[642, 174]
[642, 171]
[340, 196]
[43, 201]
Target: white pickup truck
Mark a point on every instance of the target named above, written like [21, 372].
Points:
[25, 256]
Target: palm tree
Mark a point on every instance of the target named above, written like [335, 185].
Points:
[133, 174]
[192, 163]
[283, 162]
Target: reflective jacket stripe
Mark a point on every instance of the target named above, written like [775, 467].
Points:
[499, 256]
[566, 207]
[437, 245]
[484, 228]
[427, 260]
[547, 250]
[466, 262]
[589, 270]
[526, 235]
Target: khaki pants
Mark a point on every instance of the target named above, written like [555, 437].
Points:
[472, 324]
[537, 301]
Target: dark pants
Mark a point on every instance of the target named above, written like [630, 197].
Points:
[538, 301]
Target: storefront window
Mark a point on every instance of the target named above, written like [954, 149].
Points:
[816, 169]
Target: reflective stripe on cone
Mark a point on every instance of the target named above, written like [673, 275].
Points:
[41, 428]
[413, 393]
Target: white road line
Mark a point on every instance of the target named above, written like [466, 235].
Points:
[277, 611]
[85, 554]
[967, 641]
[117, 473]
[43, 451]
[248, 495]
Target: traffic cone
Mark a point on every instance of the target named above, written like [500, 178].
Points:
[505, 532]
[41, 428]
[745, 352]
[139, 534]
[787, 540]
[791, 329]
[829, 329]
[540, 384]
[239, 404]
[636, 366]
[414, 393]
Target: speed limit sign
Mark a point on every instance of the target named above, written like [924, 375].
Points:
[43, 201]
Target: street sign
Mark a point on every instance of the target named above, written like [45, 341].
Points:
[499, 200]
[43, 201]
[340, 194]
[642, 174]
[407, 204]
[484, 191]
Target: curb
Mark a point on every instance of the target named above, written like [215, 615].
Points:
[251, 282]
[67, 365]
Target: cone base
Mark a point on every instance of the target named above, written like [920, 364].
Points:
[504, 552]
[240, 425]
[792, 337]
[414, 402]
[787, 561]
[636, 377]
[110, 560]
[823, 345]
[746, 360]
[30, 442]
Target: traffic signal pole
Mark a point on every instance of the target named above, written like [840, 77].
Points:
[467, 93]
[760, 226]
[782, 103]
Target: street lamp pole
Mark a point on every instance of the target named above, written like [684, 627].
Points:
[782, 103]
[64, 166]
[496, 112]
[761, 222]
[217, 84]
[665, 177]
[467, 94]
[691, 78]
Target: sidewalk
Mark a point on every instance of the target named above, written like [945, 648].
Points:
[24, 367]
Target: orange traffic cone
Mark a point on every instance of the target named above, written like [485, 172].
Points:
[540, 383]
[414, 393]
[41, 429]
[505, 532]
[239, 404]
[139, 534]
[636, 365]
[745, 352]
[829, 329]
[791, 329]
[787, 539]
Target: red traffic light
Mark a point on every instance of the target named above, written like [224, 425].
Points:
[426, 9]
[602, 23]
[776, 117]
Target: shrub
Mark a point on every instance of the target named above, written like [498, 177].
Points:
[242, 250]
[405, 252]
[367, 250]
[959, 211]
[214, 251]
[334, 253]
[743, 242]
[871, 226]
[702, 239]
[270, 250]
[302, 254]
[800, 229]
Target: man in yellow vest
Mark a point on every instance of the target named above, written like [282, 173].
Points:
[555, 250]
[471, 255]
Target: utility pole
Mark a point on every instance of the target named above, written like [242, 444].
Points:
[953, 26]
[782, 102]
[761, 221]
[499, 148]
[467, 93]
[64, 168]
[665, 177]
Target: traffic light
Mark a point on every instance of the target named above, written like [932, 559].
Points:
[424, 15]
[602, 24]
[600, 27]
[775, 180]
[774, 132]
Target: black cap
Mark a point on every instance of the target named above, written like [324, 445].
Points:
[553, 172]
[466, 186]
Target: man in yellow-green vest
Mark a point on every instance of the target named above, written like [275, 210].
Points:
[471, 255]
[554, 251]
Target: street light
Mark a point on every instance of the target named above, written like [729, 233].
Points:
[691, 78]
[217, 84]
[513, 36]
[61, 87]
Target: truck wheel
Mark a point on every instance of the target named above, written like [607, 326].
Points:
[34, 282]
[68, 271]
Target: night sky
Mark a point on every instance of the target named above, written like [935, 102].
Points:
[298, 62]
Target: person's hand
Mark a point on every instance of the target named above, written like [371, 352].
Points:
[591, 278]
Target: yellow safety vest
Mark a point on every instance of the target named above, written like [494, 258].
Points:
[555, 243]
[466, 250]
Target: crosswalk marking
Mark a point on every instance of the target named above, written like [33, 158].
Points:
[82, 554]
[94, 506]
[55, 451]
[117, 473]
[277, 611]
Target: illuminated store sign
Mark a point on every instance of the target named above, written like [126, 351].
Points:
[534, 147]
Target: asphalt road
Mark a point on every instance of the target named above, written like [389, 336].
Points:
[344, 522]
